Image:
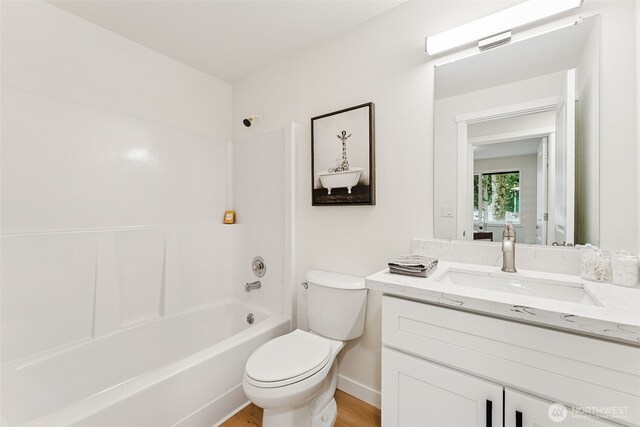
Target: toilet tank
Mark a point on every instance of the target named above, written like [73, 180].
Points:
[336, 304]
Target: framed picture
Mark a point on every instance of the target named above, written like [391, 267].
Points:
[342, 157]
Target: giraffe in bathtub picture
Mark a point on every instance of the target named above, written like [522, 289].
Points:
[342, 166]
[343, 175]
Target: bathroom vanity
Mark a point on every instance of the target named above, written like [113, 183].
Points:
[472, 346]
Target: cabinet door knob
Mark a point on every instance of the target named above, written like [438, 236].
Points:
[489, 418]
[518, 419]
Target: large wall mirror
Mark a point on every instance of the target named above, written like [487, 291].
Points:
[516, 131]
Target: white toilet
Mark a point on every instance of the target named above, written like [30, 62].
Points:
[293, 377]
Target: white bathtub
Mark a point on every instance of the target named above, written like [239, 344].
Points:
[347, 179]
[182, 370]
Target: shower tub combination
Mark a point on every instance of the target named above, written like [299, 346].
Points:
[183, 370]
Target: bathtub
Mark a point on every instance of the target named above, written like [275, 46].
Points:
[347, 179]
[183, 370]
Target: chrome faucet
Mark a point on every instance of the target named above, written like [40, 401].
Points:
[252, 286]
[509, 248]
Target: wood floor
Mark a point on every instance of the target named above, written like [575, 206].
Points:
[352, 412]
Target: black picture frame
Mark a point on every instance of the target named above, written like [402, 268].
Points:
[345, 134]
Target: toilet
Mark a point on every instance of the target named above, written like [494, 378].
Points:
[293, 377]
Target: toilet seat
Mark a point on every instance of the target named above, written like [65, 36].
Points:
[288, 359]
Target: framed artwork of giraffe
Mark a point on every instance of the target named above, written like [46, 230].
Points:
[343, 157]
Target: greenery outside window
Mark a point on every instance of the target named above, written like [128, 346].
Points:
[496, 197]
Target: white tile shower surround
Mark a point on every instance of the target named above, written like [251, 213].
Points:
[104, 281]
[92, 261]
[618, 318]
[258, 172]
[132, 171]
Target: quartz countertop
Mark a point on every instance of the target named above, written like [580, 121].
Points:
[617, 317]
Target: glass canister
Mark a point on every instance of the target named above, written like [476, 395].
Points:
[624, 269]
[595, 264]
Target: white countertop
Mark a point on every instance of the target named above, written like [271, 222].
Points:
[617, 317]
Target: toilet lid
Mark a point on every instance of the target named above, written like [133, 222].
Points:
[289, 358]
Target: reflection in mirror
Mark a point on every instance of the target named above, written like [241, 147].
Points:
[516, 132]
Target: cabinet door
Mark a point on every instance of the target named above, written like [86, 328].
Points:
[418, 393]
[525, 410]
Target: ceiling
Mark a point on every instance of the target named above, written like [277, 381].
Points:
[227, 39]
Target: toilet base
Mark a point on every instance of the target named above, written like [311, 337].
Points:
[287, 417]
[327, 417]
[300, 416]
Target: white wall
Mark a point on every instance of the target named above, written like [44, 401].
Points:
[383, 61]
[114, 181]
[587, 209]
[527, 166]
[618, 153]
[637, 138]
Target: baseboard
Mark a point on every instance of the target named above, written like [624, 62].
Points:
[238, 409]
[218, 410]
[361, 391]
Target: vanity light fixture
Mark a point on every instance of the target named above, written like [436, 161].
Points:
[495, 29]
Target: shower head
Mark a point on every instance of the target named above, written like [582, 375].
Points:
[247, 122]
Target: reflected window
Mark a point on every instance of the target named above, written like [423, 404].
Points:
[496, 197]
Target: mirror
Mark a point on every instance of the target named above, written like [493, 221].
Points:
[516, 131]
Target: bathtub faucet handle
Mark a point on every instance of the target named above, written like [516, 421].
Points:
[258, 266]
[252, 286]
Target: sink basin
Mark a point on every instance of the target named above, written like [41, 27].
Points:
[514, 283]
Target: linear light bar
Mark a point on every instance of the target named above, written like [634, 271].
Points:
[497, 23]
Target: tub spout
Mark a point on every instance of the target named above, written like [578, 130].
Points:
[252, 286]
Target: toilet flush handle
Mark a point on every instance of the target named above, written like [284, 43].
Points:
[305, 285]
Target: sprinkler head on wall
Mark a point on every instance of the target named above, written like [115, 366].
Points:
[248, 121]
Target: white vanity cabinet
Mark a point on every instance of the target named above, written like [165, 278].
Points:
[446, 367]
[422, 393]
[524, 410]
